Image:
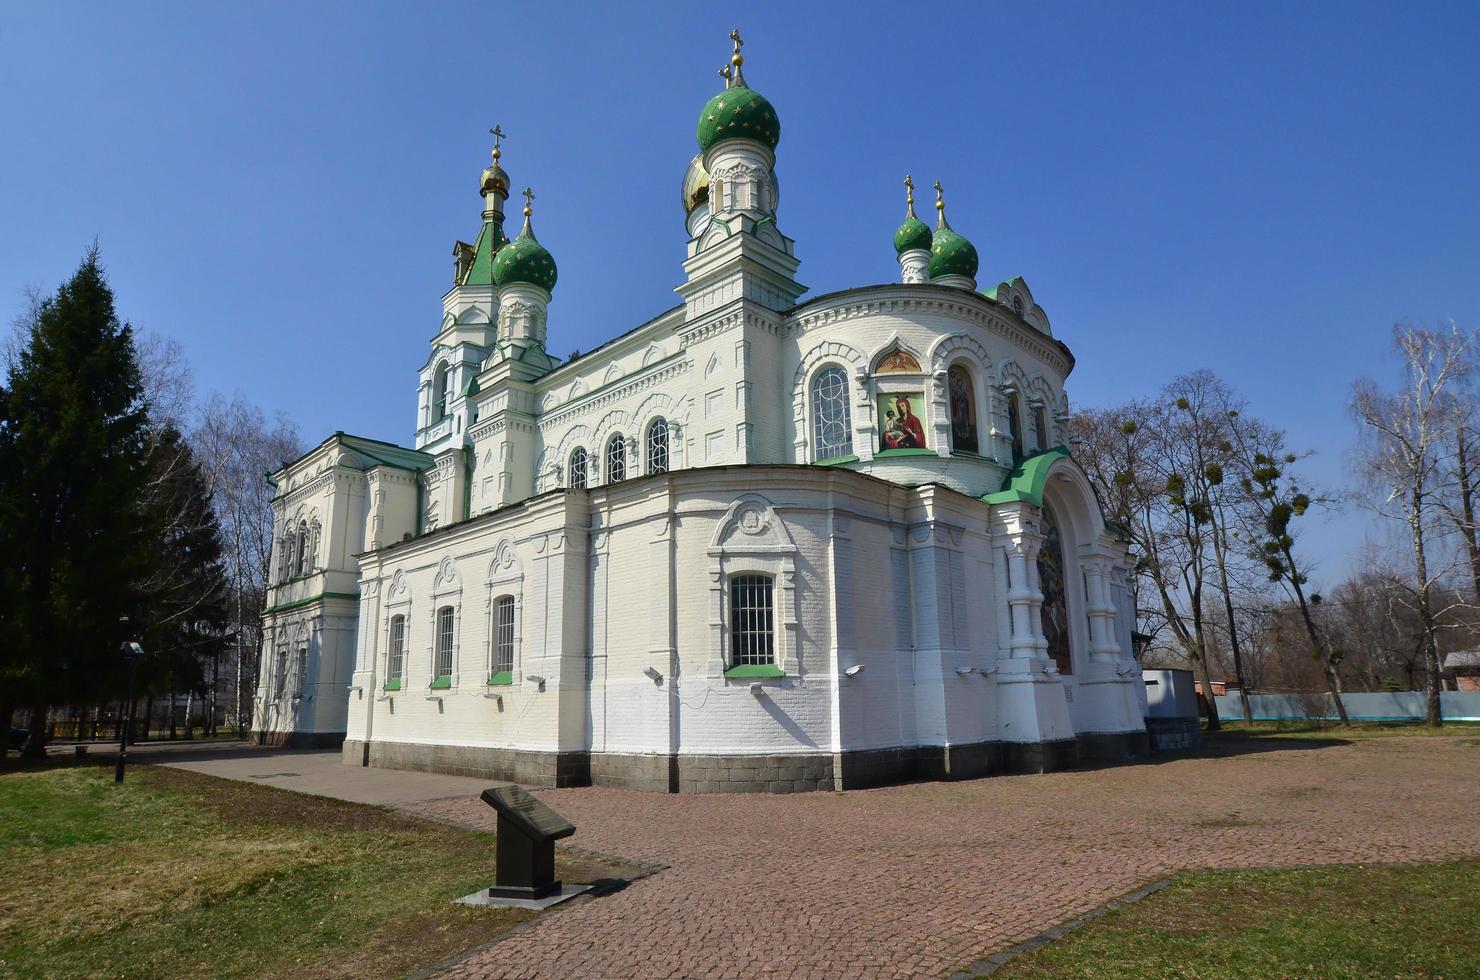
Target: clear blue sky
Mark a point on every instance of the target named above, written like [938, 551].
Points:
[1258, 189]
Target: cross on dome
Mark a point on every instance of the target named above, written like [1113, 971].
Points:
[498, 137]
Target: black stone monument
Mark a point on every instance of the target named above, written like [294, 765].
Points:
[527, 832]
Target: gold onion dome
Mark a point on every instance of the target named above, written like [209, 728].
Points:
[950, 254]
[914, 233]
[495, 180]
[739, 112]
[695, 184]
[525, 259]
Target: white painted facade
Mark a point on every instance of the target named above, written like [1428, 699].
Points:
[916, 566]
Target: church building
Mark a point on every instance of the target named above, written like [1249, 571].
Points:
[760, 542]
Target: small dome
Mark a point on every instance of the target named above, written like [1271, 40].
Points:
[525, 260]
[495, 179]
[952, 255]
[738, 112]
[695, 184]
[913, 234]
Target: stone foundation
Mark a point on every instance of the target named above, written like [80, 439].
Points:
[1035, 757]
[1173, 734]
[299, 740]
[1113, 746]
[531, 768]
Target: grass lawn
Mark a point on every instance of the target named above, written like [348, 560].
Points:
[180, 874]
[1420, 921]
[1325, 730]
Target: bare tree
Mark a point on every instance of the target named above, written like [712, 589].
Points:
[1407, 433]
[238, 447]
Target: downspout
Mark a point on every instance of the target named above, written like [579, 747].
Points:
[467, 483]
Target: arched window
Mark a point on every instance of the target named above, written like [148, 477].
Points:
[503, 638]
[963, 410]
[578, 469]
[305, 562]
[444, 642]
[832, 426]
[1051, 578]
[752, 622]
[1040, 428]
[1015, 424]
[280, 673]
[616, 459]
[301, 681]
[439, 393]
[290, 556]
[395, 665]
[657, 447]
[1017, 304]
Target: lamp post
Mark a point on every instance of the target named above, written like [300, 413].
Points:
[132, 651]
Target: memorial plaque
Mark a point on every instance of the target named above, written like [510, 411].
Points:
[527, 832]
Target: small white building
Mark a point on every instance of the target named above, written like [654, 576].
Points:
[758, 542]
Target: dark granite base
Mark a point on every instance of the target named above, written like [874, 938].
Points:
[552, 769]
[1113, 746]
[299, 740]
[1035, 757]
[1173, 734]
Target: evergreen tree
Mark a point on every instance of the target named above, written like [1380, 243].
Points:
[73, 466]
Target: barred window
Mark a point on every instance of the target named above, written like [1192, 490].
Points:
[503, 635]
[752, 637]
[616, 459]
[396, 661]
[657, 447]
[444, 642]
[578, 469]
[832, 428]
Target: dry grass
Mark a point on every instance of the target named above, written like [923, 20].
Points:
[181, 874]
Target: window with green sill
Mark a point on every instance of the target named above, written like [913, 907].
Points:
[394, 684]
[441, 683]
[501, 679]
[752, 627]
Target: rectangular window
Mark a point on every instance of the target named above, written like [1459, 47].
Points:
[444, 642]
[503, 636]
[752, 637]
[301, 681]
[396, 660]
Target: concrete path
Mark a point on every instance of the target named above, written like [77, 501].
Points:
[316, 771]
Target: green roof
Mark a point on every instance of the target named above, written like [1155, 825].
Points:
[386, 453]
[1026, 482]
[491, 239]
[738, 113]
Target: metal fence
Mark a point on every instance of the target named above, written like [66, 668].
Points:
[1394, 706]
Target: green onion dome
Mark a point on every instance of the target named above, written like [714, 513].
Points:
[525, 260]
[738, 112]
[913, 234]
[952, 255]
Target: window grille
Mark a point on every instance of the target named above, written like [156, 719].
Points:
[832, 428]
[302, 680]
[657, 447]
[578, 469]
[752, 635]
[503, 639]
[444, 642]
[397, 660]
[616, 460]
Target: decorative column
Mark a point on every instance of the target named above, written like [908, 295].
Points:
[1100, 610]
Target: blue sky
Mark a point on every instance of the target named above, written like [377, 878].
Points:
[1258, 189]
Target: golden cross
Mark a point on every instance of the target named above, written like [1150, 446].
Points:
[940, 198]
[909, 184]
[498, 134]
[725, 74]
[528, 196]
[735, 36]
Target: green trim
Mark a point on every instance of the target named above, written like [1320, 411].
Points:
[1026, 482]
[836, 461]
[394, 684]
[755, 670]
[503, 677]
[441, 683]
[313, 598]
[890, 453]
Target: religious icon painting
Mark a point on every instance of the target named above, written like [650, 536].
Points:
[900, 424]
[963, 411]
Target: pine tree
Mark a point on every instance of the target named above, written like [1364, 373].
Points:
[72, 470]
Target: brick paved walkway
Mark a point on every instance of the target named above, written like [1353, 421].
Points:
[921, 880]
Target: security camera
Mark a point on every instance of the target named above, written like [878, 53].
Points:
[854, 671]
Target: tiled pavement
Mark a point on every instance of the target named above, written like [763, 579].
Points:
[921, 880]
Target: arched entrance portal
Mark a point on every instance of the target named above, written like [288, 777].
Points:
[1053, 581]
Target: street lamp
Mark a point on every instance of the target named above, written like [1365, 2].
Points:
[132, 651]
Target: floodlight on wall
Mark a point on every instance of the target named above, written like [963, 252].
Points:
[653, 672]
[962, 671]
[1050, 668]
[535, 679]
[854, 671]
[359, 691]
[497, 696]
[755, 687]
[1126, 666]
[988, 671]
